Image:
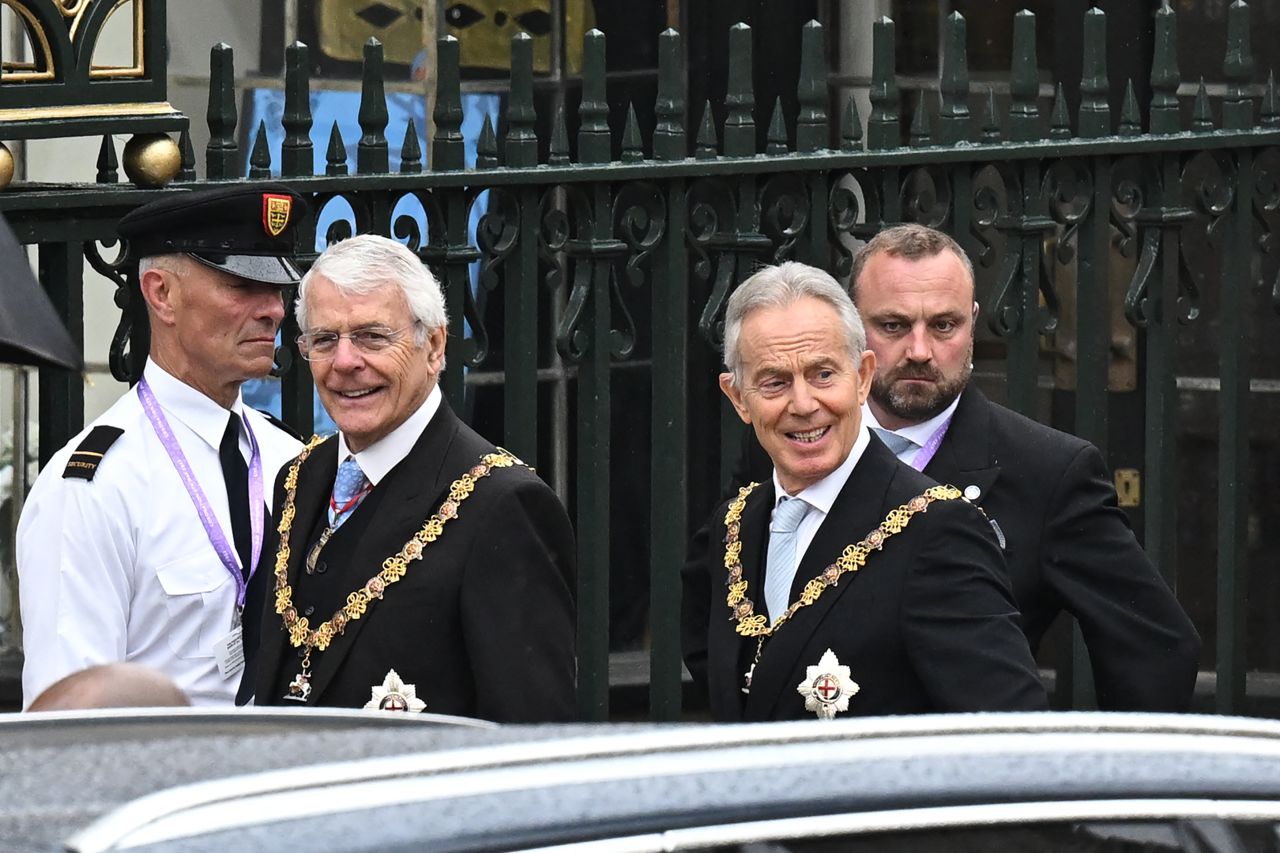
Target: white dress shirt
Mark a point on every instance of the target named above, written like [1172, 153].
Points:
[918, 434]
[821, 495]
[120, 568]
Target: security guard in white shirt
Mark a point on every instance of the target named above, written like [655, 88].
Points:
[139, 537]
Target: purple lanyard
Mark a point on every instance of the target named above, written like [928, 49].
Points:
[217, 538]
[925, 455]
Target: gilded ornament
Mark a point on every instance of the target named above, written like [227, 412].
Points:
[151, 159]
[6, 166]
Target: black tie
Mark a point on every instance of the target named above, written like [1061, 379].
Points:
[236, 475]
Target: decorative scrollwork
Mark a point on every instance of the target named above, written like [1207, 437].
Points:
[553, 234]
[1208, 187]
[640, 219]
[497, 234]
[784, 206]
[1266, 210]
[926, 197]
[1068, 192]
[845, 213]
[405, 212]
[594, 261]
[1001, 206]
[712, 212]
[118, 270]
[1127, 199]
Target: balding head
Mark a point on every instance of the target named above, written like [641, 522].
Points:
[111, 685]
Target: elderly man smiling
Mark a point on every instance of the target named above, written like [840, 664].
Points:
[417, 565]
[846, 582]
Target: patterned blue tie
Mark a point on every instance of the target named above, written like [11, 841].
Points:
[780, 570]
[349, 488]
[897, 444]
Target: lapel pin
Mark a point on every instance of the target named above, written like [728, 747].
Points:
[394, 695]
[972, 493]
[827, 687]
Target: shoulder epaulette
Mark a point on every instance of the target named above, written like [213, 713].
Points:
[279, 424]
[84, 461]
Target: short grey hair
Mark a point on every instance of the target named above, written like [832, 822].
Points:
[368, 262]
[176, 263]
[911, 241]
[780, 286]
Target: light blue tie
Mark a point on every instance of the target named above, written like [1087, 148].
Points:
[897, 444]
[350, 485]
[780, 570]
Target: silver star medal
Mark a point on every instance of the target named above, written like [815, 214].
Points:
[827, 687]
[395, 695]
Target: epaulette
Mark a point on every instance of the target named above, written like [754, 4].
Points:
[279, 424]
[85, 459]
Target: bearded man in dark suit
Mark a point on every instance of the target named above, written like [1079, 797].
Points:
[845, 582]
[1068, 545]
[417, 566]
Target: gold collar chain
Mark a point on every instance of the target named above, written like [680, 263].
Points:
[393, 568]
[741, 608]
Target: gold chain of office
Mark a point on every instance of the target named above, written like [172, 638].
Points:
[741, 608]
[393, 568]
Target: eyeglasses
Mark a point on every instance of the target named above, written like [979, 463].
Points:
[323, 345]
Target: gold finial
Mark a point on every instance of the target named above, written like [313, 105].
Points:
[151, 159]
[6, 166]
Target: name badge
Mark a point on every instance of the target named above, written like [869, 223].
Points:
[228, 651]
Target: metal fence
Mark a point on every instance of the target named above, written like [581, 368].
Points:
[639, 237]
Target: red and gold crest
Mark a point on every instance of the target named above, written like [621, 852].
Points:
[276, 210]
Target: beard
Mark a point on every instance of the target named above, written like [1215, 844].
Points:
[915, 403]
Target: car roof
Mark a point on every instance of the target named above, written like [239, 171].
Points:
[200, 780]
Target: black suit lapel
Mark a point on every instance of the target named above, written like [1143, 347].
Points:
[315, 482]
[728, 660]
[412, 489]
[965, 456]
[859, 508]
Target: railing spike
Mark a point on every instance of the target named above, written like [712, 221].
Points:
[777, 136]
[222, 150]
[706, 146]
[811, 122]
[668, 136]
[1237, 68]
[108, 165]
[953, 87]
[371, 152]
[1130, 119]
[739, 123]
[487, 146]
[1165, 113]
[921, 133]
[632, 145]
[448, 152]
[594, 141]
[851, 127]
[410, 150]
[1201, 112]
[990, 119]
[1024, 81]
[1270, 105]
[559, 148]
[520, 148]
[186, 157]
[260, 156]
[1059, 120]
[297, 156]
[1095, 112]
[336, 155]
[882, 128]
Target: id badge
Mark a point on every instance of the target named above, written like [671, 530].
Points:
[228, 651]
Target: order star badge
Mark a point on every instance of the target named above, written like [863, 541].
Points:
[395, 695]
[827, 687]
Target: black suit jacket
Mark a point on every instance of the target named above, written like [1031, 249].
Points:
[1069, 547]
[482, 625]
[927, 624]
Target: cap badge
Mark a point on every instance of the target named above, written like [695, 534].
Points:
[827, 687]
[276, 210]
[395, 695]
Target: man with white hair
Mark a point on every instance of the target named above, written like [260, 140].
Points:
[417, 567]
[845, 582]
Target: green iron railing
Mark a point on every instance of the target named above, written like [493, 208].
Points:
[677, 225]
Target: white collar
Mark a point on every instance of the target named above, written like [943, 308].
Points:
[919, 433]
[377, 460]
[822, 494]
[180, 401]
